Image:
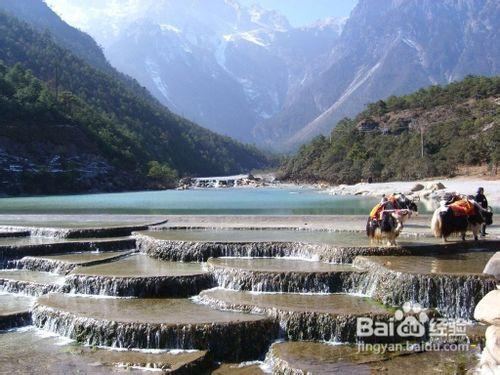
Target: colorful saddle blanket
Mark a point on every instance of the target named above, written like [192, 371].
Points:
[463, 208]
[375, 212]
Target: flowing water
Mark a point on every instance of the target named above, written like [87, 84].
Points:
[139, 276]
[461, 263]
[155, 324]
[282, 275]
[26, 241]
[265, 299]
[278, 265]
[83, 257]
[320, 358]
[452, 283]
[319, 303]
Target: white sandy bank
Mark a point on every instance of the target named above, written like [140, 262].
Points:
[463, 185]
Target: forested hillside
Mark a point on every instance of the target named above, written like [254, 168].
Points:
[131, 132]
[431, 132]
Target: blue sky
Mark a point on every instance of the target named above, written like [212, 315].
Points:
[302, 12]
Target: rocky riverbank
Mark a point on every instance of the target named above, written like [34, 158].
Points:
[428, 191]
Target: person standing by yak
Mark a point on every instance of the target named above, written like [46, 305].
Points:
[481, 199]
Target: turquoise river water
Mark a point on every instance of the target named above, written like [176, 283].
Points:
[233, 201]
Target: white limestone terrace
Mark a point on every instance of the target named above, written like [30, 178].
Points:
[75, 226]
[418, 225]
[77, 220]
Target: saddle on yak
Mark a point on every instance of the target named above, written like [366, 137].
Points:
[375, 212]
[463, 207]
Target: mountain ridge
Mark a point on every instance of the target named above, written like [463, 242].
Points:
[147, 139]
[237, 64]
[277, 86]
[415, 53]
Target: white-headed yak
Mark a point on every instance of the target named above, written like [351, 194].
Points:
[388, 217]
[460, 216]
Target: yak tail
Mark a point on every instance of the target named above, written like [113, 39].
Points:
[436, 224]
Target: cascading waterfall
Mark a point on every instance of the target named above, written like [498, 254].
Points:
[285, 282]
[252, 337]
[26, 287]
[43, 265]
[142, 287]
[200, 251]
[10, 253]
[192, 251]
[454, 295]
[60, 233]
[303, 325]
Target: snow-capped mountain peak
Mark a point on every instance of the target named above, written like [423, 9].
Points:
[246, 72]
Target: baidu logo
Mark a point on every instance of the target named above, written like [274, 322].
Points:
[409, 321]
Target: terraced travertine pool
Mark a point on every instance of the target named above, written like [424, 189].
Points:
[10, 304]
[340, 238]
[168, 311]
[84, 257]
[139, 265]
[291, 313]
[458, 263]
[31, 276]
[31, 351]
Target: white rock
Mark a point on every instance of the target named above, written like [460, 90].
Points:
[488, 309]
[487, 364]
[493, 343]
[493, 266]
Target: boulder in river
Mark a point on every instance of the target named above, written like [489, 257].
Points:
[490, 358]
[493, 266]
[433, 186]
[417, 187]
[488, 309]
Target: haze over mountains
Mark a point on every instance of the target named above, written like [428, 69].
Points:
[245, 72]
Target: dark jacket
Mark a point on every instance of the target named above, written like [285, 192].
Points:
[481, 199]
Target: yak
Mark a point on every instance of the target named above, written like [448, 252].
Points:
[445, 221]
[391, 221]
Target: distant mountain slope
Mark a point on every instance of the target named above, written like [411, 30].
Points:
[120, 114]
[247, 73]
[460, 124]
[391, 47]
[220, 64]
